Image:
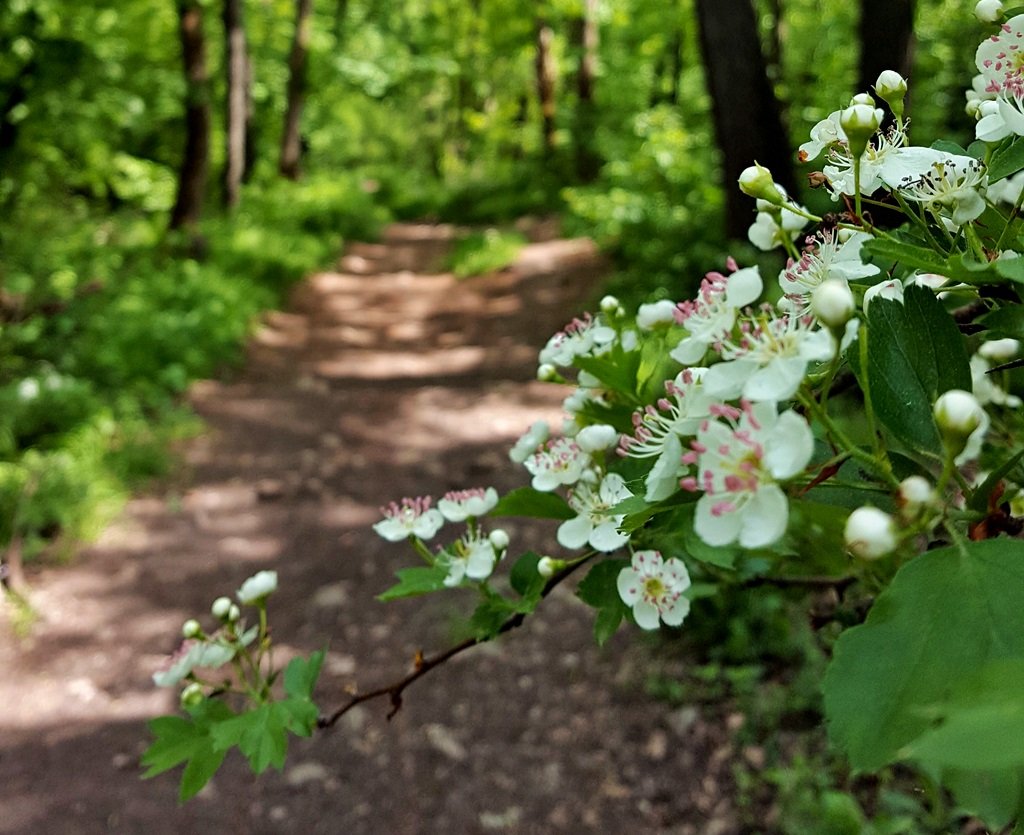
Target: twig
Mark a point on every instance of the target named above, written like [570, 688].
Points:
[424, 665]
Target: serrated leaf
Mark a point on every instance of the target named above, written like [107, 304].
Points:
[607, 623]
[948, 147]
[260, 734]
[420, 579]
[533, 503]
[915, 352]
[301, 674]
[909, 255]
[1006, 161]
[490, 615]
[525, 578]
[946, 614]
[179, 740]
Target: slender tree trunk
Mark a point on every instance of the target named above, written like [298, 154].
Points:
[886, 39]
[747, 116]
[238, 113]
[588, 164]
[291, 142]
[195, 165]
[545, 65]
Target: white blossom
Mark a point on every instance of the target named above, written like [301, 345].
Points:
[712, 314]
[653, 588]
[870, 533]
[261, 584]
[413, 517]
[594, 524]
[459, 505]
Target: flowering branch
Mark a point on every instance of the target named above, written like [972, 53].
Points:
[424, 664]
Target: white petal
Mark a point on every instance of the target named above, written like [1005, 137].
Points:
[676, 611]
[725, 380]
[765, 517]
[574, 533]
[646, 615]
[629, 583]
[689, 351]
[790, 446]
[778, 380]
[606, 537]
[715, 530]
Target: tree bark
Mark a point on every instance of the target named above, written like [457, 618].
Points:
[588, 163]
[291, 141]
[545, 66]
[886, 39]
[746, 114]
[195, 165]
[238, 103]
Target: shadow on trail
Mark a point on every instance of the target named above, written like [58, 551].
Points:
[387, 378]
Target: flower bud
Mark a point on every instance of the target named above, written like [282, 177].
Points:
[999, 350]
[547, 373]
[832, 303]
[958, 414]
[892, 88]
[962, 423]
[597, 437]
[914, 492]
[757, 181]
[220, 608]
[499, 539]
[234, 613]
[610, 306]
[546, 567]
[988, 11]
[860, 122]
[191, 629]
[862, 98]
[656, 314]
[870, 533]
[192, 695]
[892, 290]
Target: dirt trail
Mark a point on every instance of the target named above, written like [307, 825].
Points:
[386, 378]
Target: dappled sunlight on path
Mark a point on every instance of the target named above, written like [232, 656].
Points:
[387, 377]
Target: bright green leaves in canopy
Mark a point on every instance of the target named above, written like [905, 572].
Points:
[936, 674]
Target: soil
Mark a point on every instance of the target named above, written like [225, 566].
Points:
[386, 378]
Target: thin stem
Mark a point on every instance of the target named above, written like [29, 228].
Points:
[424, 665]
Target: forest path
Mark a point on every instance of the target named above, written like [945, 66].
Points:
[386, 378]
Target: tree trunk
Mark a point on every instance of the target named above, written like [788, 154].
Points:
[238, 110]
[291, 142]
[545, 65]
[886, 39]
[195, 165]
[747, 116]
[588, 164]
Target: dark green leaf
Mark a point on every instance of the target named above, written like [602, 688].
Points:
[948, 147]
[261, 734]
[979, 501]
[1007, 160]
[993, 796]
[490, 615]
[946, 614]
[1005, 321]
[1011, 268]
[179, 740]
[525, 578]
[419, 579]
[599, 589]
[915, 352]
[907, 254]
[529, 502]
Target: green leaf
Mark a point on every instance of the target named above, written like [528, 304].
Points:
[525, 578]
[490, 615]
[948, 147]
[534, 503]
[677, 537]
[599, 589]
[979, 501]
[1008, 160]
[179, 740]
[301, 674]
[946, 614]
[915, 352]
[1011, 268]
[617, 369]
[993, 796]
[420, 579]
[909, 255]
[261, 734]
[1005, 321]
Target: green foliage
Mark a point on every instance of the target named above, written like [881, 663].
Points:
[914, 353]
[932, 668]
[598, 590]
[525, 501]
[485, 252]
[419, 579]
[261, 733]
